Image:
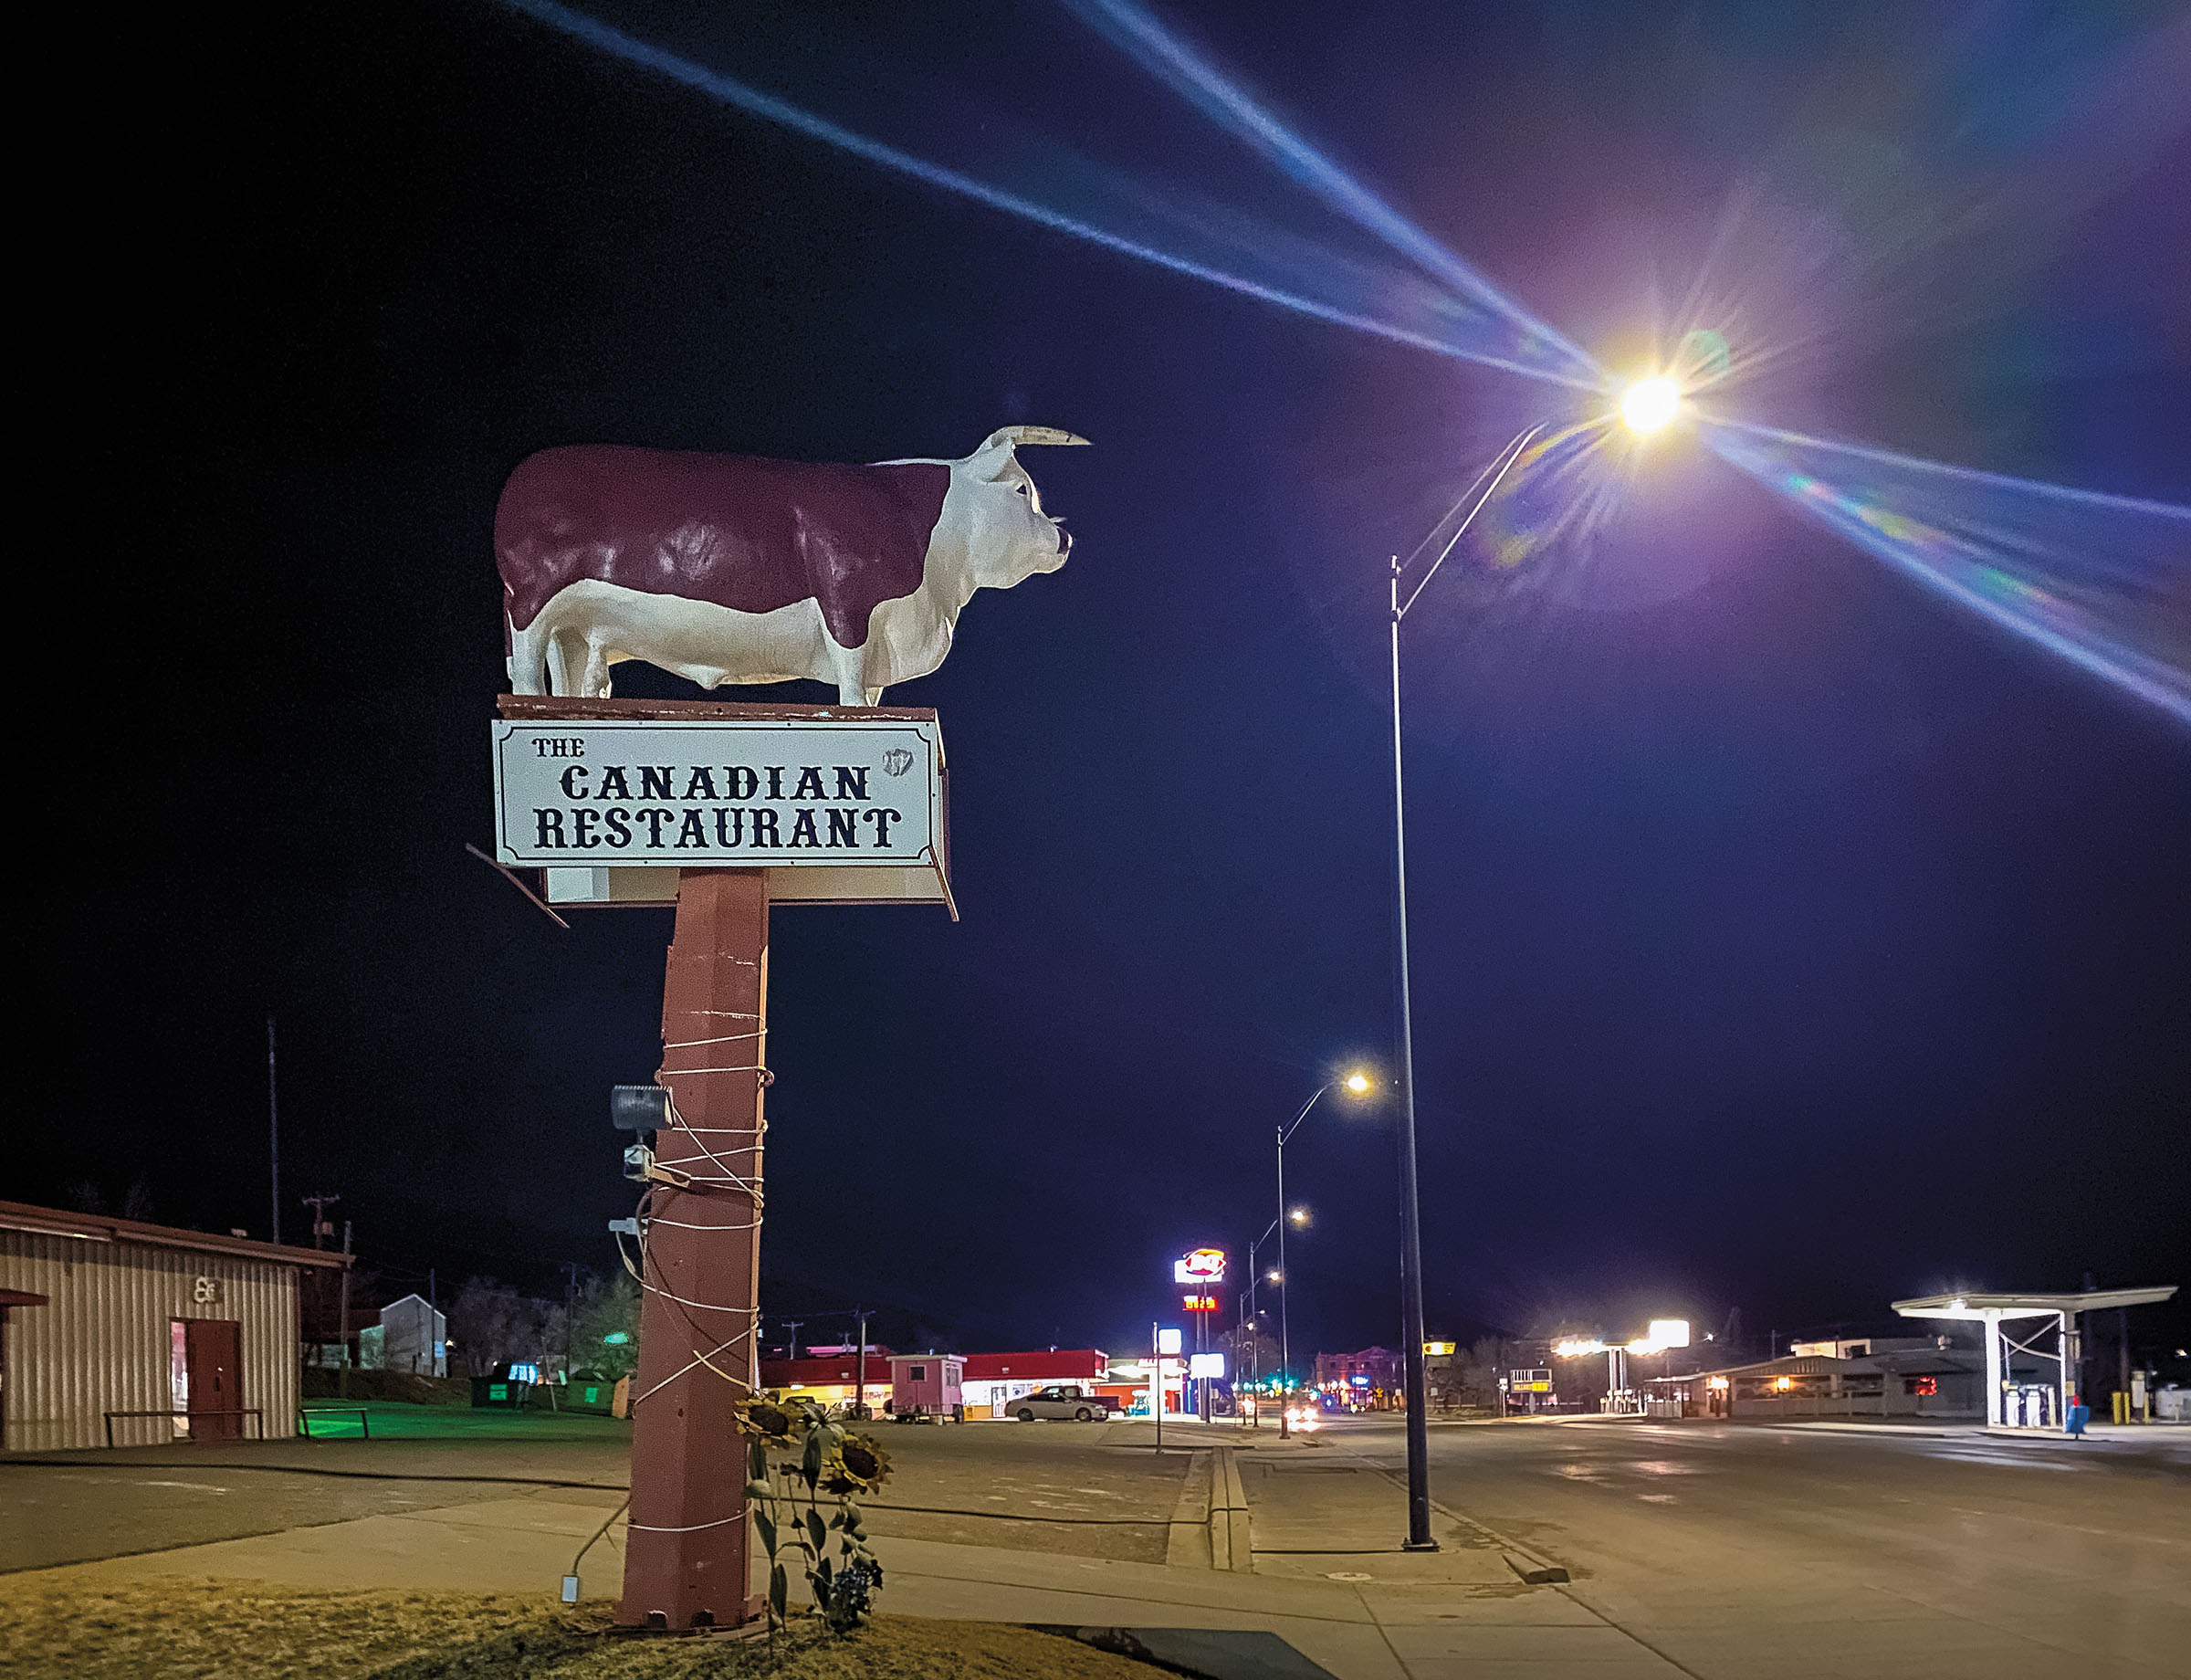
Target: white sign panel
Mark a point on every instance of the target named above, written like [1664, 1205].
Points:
[1206, 1365]
[717, 793]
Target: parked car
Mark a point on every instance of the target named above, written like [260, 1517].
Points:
[1062, 1399]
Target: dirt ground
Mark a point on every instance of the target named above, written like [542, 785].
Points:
[197, 1631]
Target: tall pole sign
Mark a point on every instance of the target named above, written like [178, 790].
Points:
[729, 568]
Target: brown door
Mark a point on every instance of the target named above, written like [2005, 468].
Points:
[213, 1353]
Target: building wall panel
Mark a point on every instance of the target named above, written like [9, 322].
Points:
[101, 1341]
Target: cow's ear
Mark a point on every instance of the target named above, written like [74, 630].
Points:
[991, 460]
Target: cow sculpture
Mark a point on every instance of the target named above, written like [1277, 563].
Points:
[732, 569]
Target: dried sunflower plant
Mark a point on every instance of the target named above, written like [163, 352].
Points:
[792, 1497]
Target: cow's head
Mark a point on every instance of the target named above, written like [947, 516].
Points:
[1011, 538]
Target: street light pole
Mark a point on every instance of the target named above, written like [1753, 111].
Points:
[1410, 1213]
[1285, 1275]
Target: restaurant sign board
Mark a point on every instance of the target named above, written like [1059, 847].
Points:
[863, 798]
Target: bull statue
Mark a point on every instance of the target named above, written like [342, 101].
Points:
[732, 569]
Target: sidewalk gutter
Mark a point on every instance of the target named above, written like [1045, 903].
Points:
[1230, 1545]
[1189, 1543]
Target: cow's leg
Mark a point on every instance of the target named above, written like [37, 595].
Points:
[594, 684]
[559, 666]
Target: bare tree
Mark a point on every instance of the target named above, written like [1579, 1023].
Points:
[491, 1324]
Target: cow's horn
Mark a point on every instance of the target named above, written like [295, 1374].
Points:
[1030, 435]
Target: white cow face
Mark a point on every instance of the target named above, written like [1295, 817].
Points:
[1011, 538]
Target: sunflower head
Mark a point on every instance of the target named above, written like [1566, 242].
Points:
[858, 1465]
[771, 1421]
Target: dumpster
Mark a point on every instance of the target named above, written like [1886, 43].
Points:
[502, 1392]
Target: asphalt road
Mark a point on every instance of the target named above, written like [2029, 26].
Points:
[1812, 1550]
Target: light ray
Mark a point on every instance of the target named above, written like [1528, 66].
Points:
[737, 94]
[1186, 72]
[2101, 580]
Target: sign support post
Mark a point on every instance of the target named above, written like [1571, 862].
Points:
[686, 1561]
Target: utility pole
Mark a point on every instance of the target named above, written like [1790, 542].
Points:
[792, 1326]
[319, 1204]
[859, 1404]
[342, 1330]
[273, 1130]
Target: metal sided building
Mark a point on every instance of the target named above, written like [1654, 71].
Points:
[115, 1330]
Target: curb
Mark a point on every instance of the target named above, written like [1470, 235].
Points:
[1230, 1545]
[1188, 1545]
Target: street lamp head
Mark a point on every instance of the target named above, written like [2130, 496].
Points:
[1272, 1276]
[1359, 1084]
[1650, 404]
[1299, 1216]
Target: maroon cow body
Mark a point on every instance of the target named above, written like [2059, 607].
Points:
[739, 531]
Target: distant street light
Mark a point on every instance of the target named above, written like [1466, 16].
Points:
[1356, 1084]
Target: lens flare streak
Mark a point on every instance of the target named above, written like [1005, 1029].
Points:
[2101, 580]
[1536, 347]
[738, 96]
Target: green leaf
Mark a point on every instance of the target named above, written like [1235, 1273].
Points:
[767, 1525]
[779, 1586]
[810, 1465]
[757, 1462]
[814, 1527]
[838, 1521]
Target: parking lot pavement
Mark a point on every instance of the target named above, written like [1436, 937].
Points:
[1079, 1489]
[1066, 1488]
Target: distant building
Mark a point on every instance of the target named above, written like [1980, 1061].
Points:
[993, 1381]
[143, 1331]
[411, 1337]
[1373, 1377]
[1924, 1380]
[830, 1380]
[1863, 1346]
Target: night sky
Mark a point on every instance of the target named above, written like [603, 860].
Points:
[1786, 939]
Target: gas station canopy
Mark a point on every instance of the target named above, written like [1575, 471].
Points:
[2009, 1403]
[1983, 1307]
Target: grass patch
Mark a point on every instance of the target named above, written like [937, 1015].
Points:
[239, 1630]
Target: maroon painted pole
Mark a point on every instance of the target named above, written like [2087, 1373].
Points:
[684, 1561]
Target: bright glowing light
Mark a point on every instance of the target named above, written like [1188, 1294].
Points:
[1650, 404]
[1669, 1332]
[1299, 1216]
[1572, 1350]
[1716, 1382]
[1783, 1383]
[1361, 1084]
